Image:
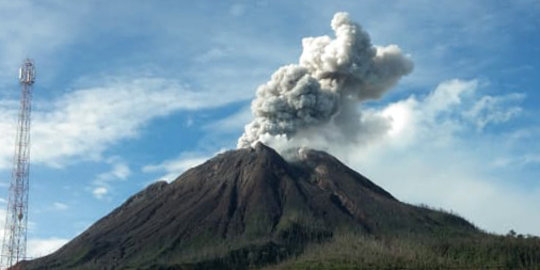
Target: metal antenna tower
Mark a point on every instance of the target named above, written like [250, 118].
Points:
[14, 242]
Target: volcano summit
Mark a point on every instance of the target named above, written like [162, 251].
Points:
[248, 208]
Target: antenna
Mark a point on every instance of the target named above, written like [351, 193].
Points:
[14, 242]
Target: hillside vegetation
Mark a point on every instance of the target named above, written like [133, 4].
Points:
[352, 251]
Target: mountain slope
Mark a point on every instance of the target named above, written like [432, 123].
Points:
[243, 208]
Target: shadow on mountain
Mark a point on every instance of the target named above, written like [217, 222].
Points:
[250, 208]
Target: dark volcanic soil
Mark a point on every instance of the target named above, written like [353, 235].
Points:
[243, 207]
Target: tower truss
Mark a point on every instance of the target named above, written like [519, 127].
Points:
[14, 241]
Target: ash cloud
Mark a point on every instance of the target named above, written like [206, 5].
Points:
[316, 101]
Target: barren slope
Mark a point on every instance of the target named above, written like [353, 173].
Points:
[243, 207]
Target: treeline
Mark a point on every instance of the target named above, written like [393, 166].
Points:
[353, 251]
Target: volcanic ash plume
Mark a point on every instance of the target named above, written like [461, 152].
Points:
[319, 96]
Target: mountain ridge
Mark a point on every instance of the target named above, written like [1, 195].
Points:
[244, 208]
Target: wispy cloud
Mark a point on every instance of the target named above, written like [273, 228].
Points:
[102, 184]
[495, 110]
[471, 43]
[435, 154]
[100, 192]
[81, 124]
[39, 247]
[172, 168]
[36, 247]
[232, 123]
[30, 29]
[60, 206]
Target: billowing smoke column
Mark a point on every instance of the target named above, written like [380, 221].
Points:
[319, 96]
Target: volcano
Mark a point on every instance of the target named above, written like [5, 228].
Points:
[243, 209]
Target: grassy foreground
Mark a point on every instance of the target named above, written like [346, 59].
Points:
[351, 251]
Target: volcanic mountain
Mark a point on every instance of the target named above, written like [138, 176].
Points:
[246, 208]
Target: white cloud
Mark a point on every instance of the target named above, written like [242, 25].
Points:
[232, 123]
[211, 55]
[237, 10]
[447, 95]
[174, 167]
[519, 161]
[60, 206]
[434, 154]
[495, 110]
[39, 247]
[81, 124]
[472, 41]
[8, 113]
[2, 223]
[36, 247]
[119, 171]
[36, 30]
[100, 192]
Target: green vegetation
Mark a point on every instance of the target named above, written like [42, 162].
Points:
[354, 251]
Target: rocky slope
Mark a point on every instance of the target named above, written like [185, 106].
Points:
[245, 208]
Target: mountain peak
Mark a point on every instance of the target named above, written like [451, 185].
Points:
[242, 200]
[259, 146]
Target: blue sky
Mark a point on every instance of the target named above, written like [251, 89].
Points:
[129, 92]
